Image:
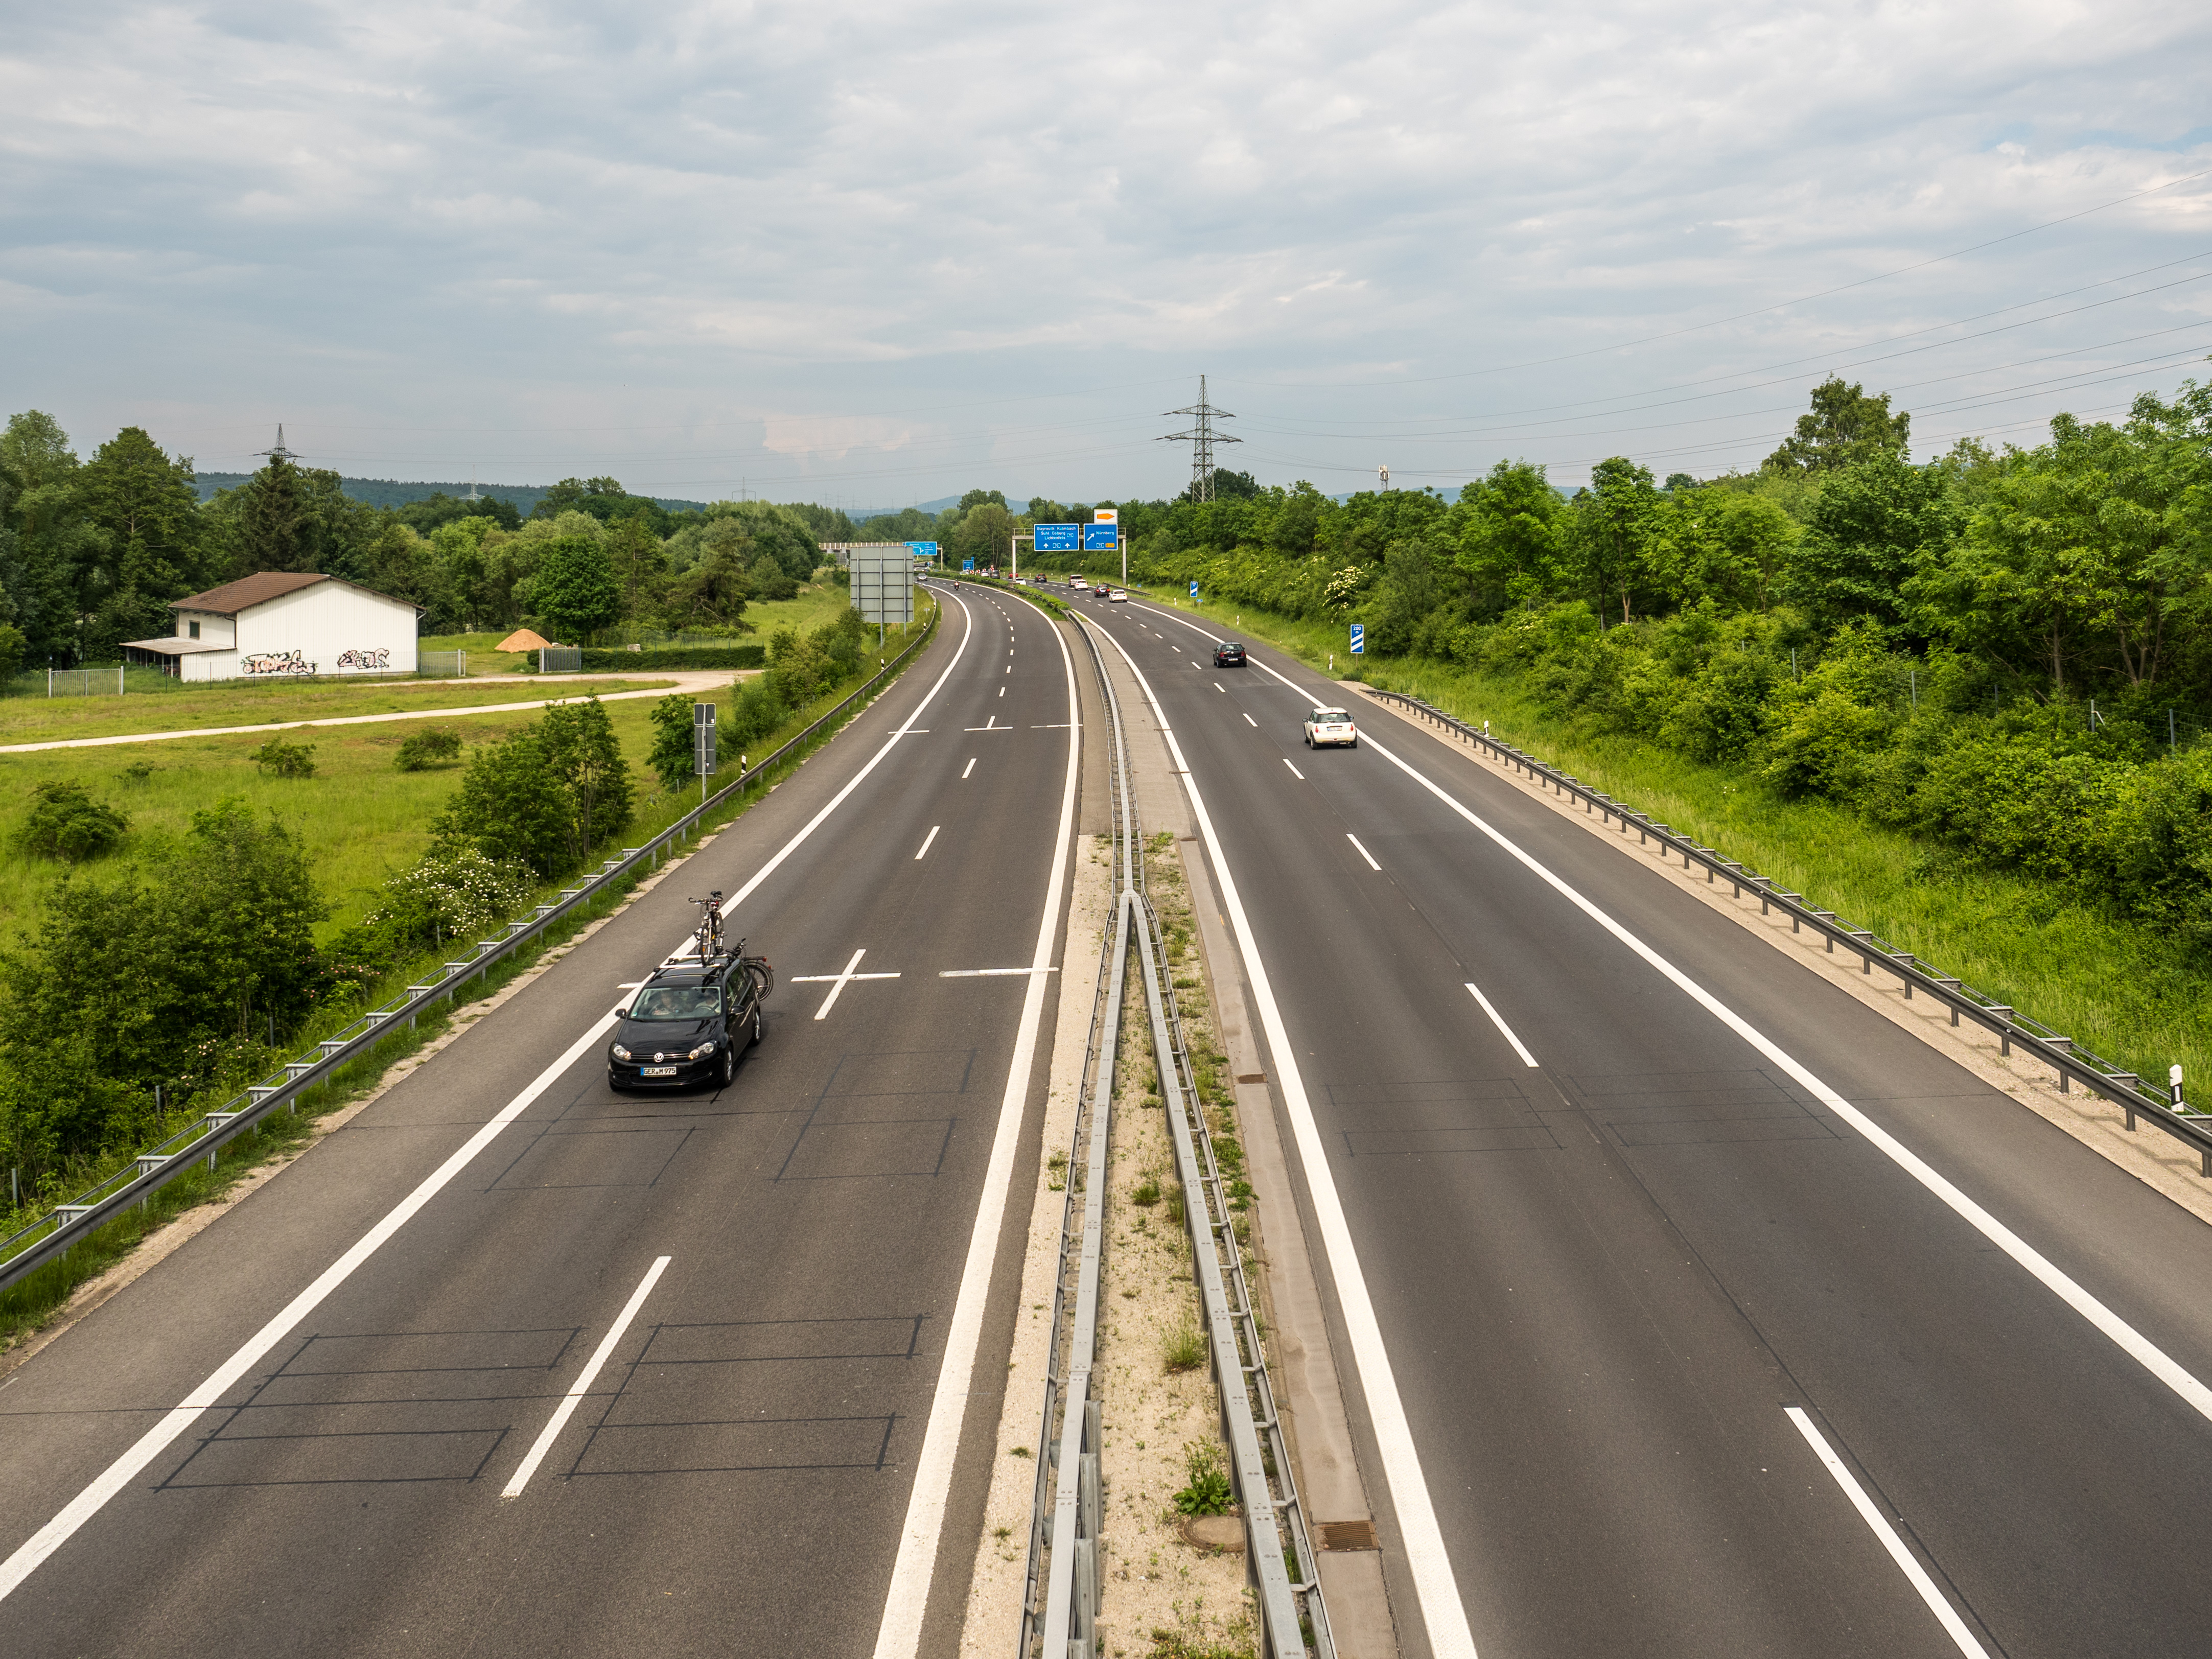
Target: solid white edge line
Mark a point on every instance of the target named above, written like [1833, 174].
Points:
[926, 839]
[1426, 1560]
[1498, 1020]
[2130, 1341]
[585, 1378]
[1938, 1604]
[1362, 852]
[34, 1550]
[150, 1445]
[907, 1602]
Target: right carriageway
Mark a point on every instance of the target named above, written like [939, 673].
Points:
[1721, 1316]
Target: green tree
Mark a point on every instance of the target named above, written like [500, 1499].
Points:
[1869, 529]
[1843, 427]
[582, 751]
[713, 591]
[1609, 530]
[674, 755]
[1510, 531]
[55, 553]
[145, 505]
[1721, 544]
[575, 589]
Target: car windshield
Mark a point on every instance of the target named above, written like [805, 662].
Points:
[1232, 648]
[677, 1002]
[1331, 717]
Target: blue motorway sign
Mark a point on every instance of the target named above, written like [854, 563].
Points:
[1056, 538]
[1100, 538]
[967, 564]
[923, 549]
[1359, 639]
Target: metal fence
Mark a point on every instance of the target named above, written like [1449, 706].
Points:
[2069, 1062]
[85, 682]
[561, 659]
[443, 664]
[51, 1236]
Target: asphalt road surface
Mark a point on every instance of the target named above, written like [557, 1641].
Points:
[1686, 1306]
[513, 1365]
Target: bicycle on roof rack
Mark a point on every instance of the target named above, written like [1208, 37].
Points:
[708, 934]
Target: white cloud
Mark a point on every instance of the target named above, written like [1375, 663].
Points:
[830, 228]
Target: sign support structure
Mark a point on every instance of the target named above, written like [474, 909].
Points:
[703, 745]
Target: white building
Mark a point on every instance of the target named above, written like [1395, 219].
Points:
[279, 622]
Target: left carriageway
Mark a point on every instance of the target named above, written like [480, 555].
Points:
[513, 1365]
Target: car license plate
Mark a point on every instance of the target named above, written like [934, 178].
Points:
[656, 1071]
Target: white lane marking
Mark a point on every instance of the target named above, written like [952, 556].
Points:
[2130, 1340]
[1222, 688]
[932, 835]
[1498, 1020]
[1946, 1615]
[1002, 689]
[1009, 669]
[1362, 852]
[1295, 773]
[899, 1636]
[1249, 721]
[968, 767]
[1434, 1584]
[837, 982]
[150, 1445]
[585, 1378]
[991, 973]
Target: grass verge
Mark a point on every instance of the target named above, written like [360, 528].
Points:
[2124, 990]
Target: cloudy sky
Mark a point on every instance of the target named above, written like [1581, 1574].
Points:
[876, 254]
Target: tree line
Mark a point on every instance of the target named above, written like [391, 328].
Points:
[92, 551]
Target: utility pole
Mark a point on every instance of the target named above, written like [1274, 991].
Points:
[279, 452]
[1202, 438]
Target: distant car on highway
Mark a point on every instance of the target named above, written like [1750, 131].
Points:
[685, 1026]
[1100, 591]
[1228, 654]
[1331, 727]
[1119, 596]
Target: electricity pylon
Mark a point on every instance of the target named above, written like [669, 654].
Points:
[1202, 438]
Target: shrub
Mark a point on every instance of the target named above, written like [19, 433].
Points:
[66, 823]
[285, 760]
[427, 749]
[545, 796]
[453, 892]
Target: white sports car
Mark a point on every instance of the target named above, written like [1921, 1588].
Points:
[1330, 725]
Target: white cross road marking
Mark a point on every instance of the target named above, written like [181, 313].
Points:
[991, 725]
[992, 973]
[837, 982]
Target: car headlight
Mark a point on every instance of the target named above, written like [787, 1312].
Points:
[619, 1052]
[702, 1051]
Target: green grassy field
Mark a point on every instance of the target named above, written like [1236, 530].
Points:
[808, 609]
[2119, 988]
[232, 702]
[360, 818]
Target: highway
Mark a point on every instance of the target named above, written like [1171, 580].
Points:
[1683, 1304]
[512, 1364]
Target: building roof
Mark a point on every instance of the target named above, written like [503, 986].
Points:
[266, 585]
[175, 647]
[249, 591]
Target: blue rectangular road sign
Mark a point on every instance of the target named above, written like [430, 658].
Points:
[923, 549]
[967, 564]
[1359, 639]
[1056, 538]
[1193, 590]
[1100, 538]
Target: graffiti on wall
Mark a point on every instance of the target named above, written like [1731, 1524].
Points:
[276, 662]
[380, 658]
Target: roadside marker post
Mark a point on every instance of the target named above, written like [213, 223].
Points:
[1358, 633]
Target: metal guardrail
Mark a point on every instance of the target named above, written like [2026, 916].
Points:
[1062, 1624]
[2069, 1062]
[51, 1237]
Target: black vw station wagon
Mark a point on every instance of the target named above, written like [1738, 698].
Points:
[685, 1026]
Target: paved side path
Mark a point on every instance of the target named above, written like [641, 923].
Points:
[681, 680]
